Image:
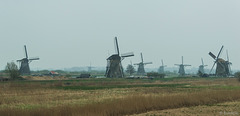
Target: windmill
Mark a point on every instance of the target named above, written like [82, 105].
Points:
[181, 68]
[222, 68]
[24, 68]
[201, 68]
[114, 65]
[161, 68]
[90, 68]
[141, 70]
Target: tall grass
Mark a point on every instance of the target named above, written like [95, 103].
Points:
[132, 104]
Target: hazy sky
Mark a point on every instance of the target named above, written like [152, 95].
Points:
[68, 33]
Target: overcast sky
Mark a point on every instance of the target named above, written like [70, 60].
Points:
[69, 33]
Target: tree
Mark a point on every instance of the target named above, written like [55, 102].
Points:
[130, 69]
[12, 69]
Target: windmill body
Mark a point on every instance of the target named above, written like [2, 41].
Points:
[161, 68]
[181, 70]
[182, 66]
[24, 68]
[114, 65]
[201, 68]
[223, 66]
[141, 70]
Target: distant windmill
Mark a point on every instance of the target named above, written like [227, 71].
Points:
[90, 68]
[24, 68]
[181, 68]
[201, 68]
[161, 68]
[141, 70]
[222, 68]
[114, 65]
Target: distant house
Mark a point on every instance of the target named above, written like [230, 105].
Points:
[53, 73]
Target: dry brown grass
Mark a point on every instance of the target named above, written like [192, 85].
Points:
[220, 109]
[43, 100]
[44, 78]
[132, 104]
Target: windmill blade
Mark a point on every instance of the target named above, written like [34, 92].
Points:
[222, 65]
[20, 60]
[229, 63]
[142, 57]
[220, 52]
[202, 62]
[177, 64]
[147, 63]
[26, 51]
[212, 55]
[212, 67]
[187, 65]
[116, 46]
[127, 54]
[227, 56]
[136, 64]
[34, 59]
[229, 67]
[182, 59]
[162, 63]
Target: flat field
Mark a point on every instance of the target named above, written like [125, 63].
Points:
[110, 97]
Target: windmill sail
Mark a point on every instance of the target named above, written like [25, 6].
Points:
[24, 68]
[141, 70]
[222, 68]
[182, 66]
[114, 66]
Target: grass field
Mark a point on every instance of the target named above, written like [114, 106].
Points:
[104, 96]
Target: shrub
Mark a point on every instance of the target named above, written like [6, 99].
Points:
[237, 75]
[12, 69]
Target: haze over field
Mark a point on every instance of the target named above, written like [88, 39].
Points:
[74, 33]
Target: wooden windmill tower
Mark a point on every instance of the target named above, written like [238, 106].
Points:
[182, 68]
[161, 68]
[223, 67]
[201, 68]
[114, 65]
[141, 70]
[24, 68]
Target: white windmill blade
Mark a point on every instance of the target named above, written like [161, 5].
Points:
[116, 45]
[34, 59]
[129, 54]
[147, 63]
